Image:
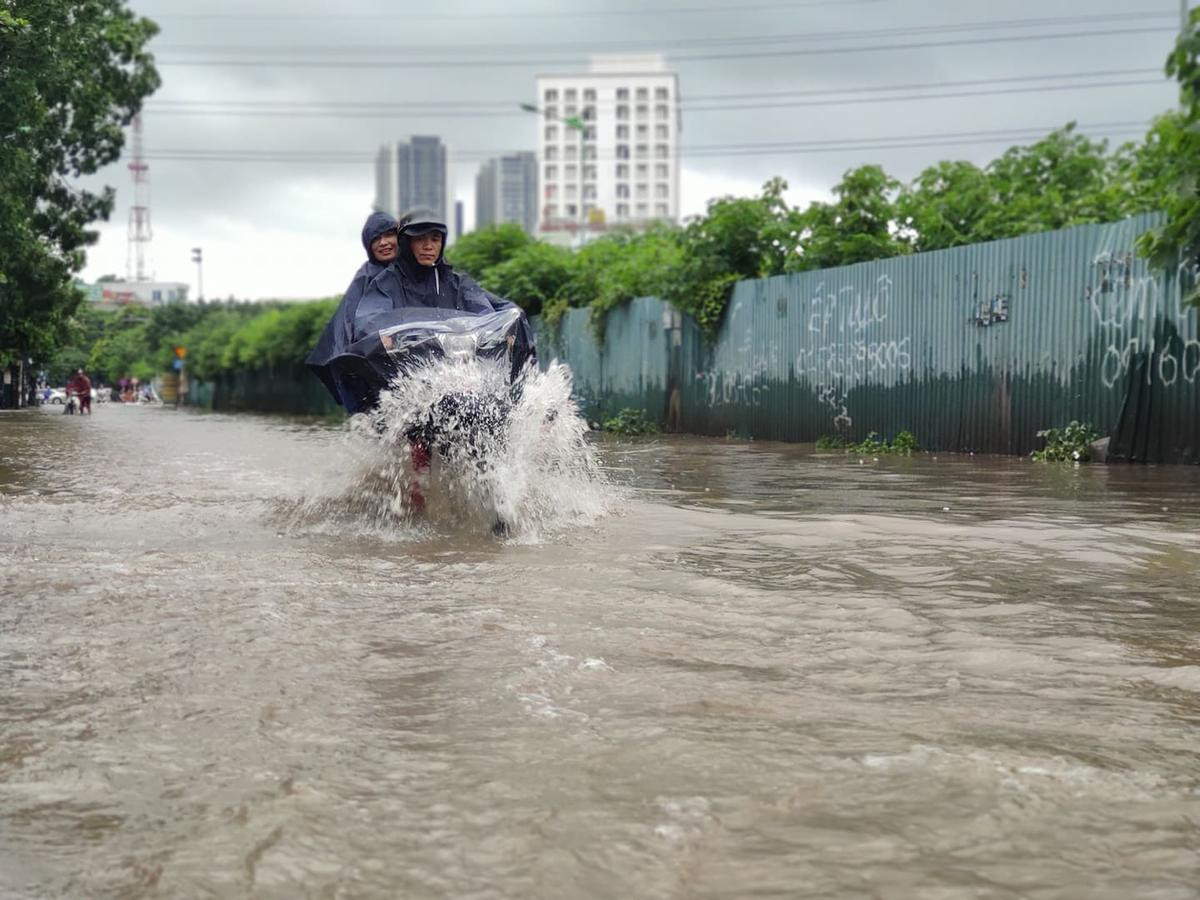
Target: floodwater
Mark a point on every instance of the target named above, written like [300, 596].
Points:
[727, 669]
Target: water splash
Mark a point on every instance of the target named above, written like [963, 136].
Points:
[517, 463]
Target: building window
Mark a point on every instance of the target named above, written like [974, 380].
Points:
[623, 191]
[642, 210]
[622, 151]
[622, 93]
[589, 173]
[622, 132]
[661, 170]
[570, 172]
[550, 211]
[643, 132]
[571, 110]
[643, 191]
[642, 93]
[569, 191]
[551, 191]
[642, 151]
[589, 133]
[660, 210]
[642, 169]
[589, 151]
[622, 210]
[589, 95]
[661, 191]
[552, 132]
[661, 111]
[662, 151]
[589, 113]
[589, 192]
[551, 153]
[643, 112]
[551, 172]
[622, 170]
[622, 112]
[551, 112]
[551, 95]
[661, 132]
[572, 210]
[661, 93]
[570, 151]
[570, 94]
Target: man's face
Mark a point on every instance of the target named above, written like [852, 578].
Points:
[426, 247]
[383, 248]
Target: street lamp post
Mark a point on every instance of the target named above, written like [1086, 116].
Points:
[577, 123]
[198, 259]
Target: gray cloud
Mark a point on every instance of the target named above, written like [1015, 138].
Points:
[248, 213]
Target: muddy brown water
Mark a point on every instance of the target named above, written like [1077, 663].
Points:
[761, 671]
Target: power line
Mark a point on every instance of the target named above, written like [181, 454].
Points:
[637, 11]
[506, 106]
[703, 150]
[400, 62]
[661, 44]
[334, 112]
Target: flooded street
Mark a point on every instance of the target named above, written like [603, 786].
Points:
[751, 671]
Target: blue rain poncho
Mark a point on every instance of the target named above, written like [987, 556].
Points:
[395, 294]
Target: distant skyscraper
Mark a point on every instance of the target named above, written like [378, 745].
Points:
[622, 167]
[411, 175]
[506, 191]
[458, 219]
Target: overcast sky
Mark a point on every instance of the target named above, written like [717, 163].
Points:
[259, 138]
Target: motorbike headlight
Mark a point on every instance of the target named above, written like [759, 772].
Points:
[458, 346]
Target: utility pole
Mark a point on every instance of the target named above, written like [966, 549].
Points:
[140, 232]
[198, 259]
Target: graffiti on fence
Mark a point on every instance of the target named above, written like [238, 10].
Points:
[1126, 307]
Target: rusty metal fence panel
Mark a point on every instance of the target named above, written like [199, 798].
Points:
[971, 349]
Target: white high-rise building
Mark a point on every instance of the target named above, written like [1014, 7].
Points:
[622, 168]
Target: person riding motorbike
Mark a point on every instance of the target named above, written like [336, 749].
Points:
[419, 279]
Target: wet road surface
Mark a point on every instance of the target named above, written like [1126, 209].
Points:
[737, 670]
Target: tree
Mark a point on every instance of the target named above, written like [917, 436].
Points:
[74, 73]
[1178, 241]
[532, 276]
[944, 206]
[860, 225]
[478, 251]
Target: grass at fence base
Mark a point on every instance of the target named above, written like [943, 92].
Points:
[1070, 444]
[630, 422]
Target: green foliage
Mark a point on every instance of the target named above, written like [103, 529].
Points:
[478, 251]
[1070, 444]
[831, 442]
[857, 227]
[904, 444]
[532, 276]
[1178, 241]
[73, 74]
[630, 421]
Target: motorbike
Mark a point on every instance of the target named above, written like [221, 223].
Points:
[409, 343]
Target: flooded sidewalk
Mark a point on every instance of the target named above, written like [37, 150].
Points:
[753, 670]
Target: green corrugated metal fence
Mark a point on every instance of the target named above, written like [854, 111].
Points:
[975, 348]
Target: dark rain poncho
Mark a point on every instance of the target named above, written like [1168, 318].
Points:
[392, 294]
[339, 333]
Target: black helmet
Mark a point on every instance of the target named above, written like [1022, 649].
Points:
[422, 221]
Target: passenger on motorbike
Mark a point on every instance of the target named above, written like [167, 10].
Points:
[381, 242]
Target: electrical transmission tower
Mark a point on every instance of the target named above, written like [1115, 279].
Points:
[139, 214]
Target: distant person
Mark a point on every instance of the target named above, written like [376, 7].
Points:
[81, 385]
[380, 241]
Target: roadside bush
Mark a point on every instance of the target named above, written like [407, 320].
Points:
[630, 421]
[904, 444]
[1068, 444]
